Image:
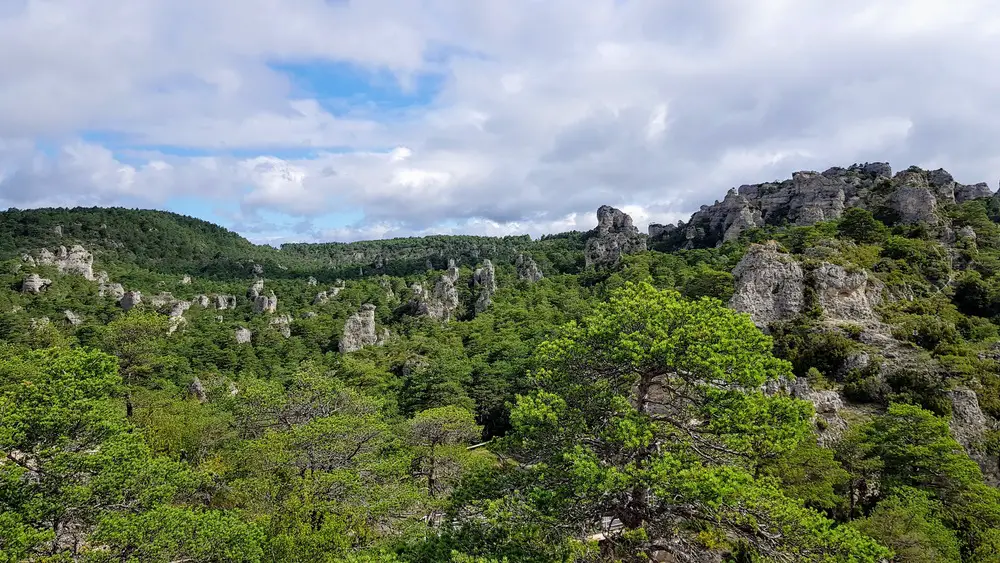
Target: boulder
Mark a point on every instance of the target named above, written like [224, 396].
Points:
[243, 335]
[359, 330]
[283, 324]
[223, 302]
[186, 280]
[33, 283]
[265, 303]
[72, 318]
[130, 299]
[202, 301]
[614, 237]
[527, 269]
[112, 290]
[828, 404]
[769, 285]
[255, 290]
[312, 281]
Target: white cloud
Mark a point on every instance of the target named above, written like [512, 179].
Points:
[547, 109]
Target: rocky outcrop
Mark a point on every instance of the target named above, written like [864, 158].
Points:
[828, 404]
[912, 195]
[359, 330]
[112, 290]
[130, 300]
[72, 318]
[484, 279]
[970, 426]
[223, 302]
[324, 296]
[202, 301]
[186, 280]
[258, 270]
[846, 295]
[769, 285]
[614, 236]
[161, 300]
[441, 301]
[77, 260]
[265, 303]
[243, 335]
[312, 281]
[178, 309]
[527, 269]
[255, 290]
[283, 324]
[33, 283]
[197, 390]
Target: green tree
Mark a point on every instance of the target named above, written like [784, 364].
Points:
[907, 523]
[860, 226]
[651, 412]
[136, 339]
[437, 432]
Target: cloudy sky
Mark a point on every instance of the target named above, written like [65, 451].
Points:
[345, 120]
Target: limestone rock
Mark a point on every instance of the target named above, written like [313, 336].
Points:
[969, 426]
[197, 390]
[101, 277]
[769, 285]
[130, 299]
[657, 231]
[72, 318]
[175, 323]
[186, 280]
[29, 260]
[202, 301]
[243, 335]
[439, 303]
[223, 302]
[112, 290]
[265, 303]
[913, 200]
[967, 233]
[255, 290]
[178, 309]
[57, 230]
[312, 281]
[527, 269]
[359, 330]
[33, 283]
[258, 270]
[614, 236]
[39, 324]
[76, 260]
[283, 324]
[828, 405]
[485, 280]
[161, 300]
[844, 295]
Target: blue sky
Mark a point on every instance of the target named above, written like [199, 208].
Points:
[315, 120]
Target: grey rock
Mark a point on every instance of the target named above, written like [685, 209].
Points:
[441, 302]
[112, 290]
[283, 324]
[175, 323]
[828, 406]
[484, 279]
[77, 260]
[39, 324]
[970, 426]
[130, 299]
[197, 390]
[33, 283]
[243, 335]
[359, 330]
[29, 260]
[614, 237]
[312, 281]
[162, 300]
[913, 199]
[844, 295]
[178, 309]
[258, 270]
[202, 301]
[967, 233]
[223, 302]
[57, 230]
[186, 280]
[527, 269]
[255, 290]
[102, 277]
[769, 285]
[657, 231]
[72, 318]
[265, 303]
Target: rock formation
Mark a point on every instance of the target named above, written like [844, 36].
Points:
[312, 281]
[846, 295]
[76, 260]
[283, 324]
[72, 318]
[161, 300]
[255, 290]
[223, 302]
[441, 302]
[112, 290]
[970, 426]
[359, 330]
[202, 301]
[527, 269]
[912, 195]
[130, 299]
[178, 309]
[769, 284]
[484, 279]
[33, 283]
[243, 335]
[186, 280]
[828, 406]
[614, 236]
[258, 270]
[265, 303]
[197, 390]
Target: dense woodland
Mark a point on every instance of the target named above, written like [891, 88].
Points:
[504, 436]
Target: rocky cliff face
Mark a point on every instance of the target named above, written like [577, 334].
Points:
[484, 279]
[359, 330]
[442, 301]
[970, 426]
[771, 286]
[76, 260]
[614, 236]
[913, 195]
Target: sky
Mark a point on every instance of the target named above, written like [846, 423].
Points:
[340, 120]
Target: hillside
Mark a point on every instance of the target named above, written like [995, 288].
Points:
[806, 370]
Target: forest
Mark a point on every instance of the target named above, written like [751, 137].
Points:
[508, 399]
